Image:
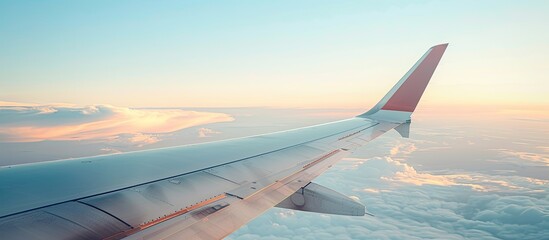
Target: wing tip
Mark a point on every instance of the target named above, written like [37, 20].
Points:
[405, 95]
[442, 45]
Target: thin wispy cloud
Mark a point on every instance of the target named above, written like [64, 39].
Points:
[31, 123]
[527, 157]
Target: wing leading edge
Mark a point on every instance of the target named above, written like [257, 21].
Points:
[203, 191]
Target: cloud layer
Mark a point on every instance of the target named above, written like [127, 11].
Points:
[412, 204]
[30, 123]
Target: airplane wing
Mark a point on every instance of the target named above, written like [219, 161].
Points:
[201, 191]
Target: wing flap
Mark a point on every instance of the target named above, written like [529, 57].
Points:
[320, 199]
[139, 206]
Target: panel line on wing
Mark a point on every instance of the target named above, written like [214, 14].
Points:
[71, 221]
[226, 179]
[115, 217]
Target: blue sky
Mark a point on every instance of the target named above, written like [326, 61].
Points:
[280, 53]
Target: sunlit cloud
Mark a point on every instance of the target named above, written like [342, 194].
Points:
[399, 173]
[30, 123]
[133, 139]
[395, 171]
[404, 173]
[371, 190]
[403, 148]
[529, 157]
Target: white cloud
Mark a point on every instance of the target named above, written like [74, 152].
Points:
[135, 139]
[412, 204]
[403, 148]
[206, 132]
[449, 182]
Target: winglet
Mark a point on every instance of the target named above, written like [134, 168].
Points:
[403, 98]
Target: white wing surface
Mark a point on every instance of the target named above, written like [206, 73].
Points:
[202, 191]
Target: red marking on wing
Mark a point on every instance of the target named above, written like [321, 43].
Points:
[409, 93]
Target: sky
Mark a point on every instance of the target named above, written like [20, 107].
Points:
[84, 78]
[270, 54]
